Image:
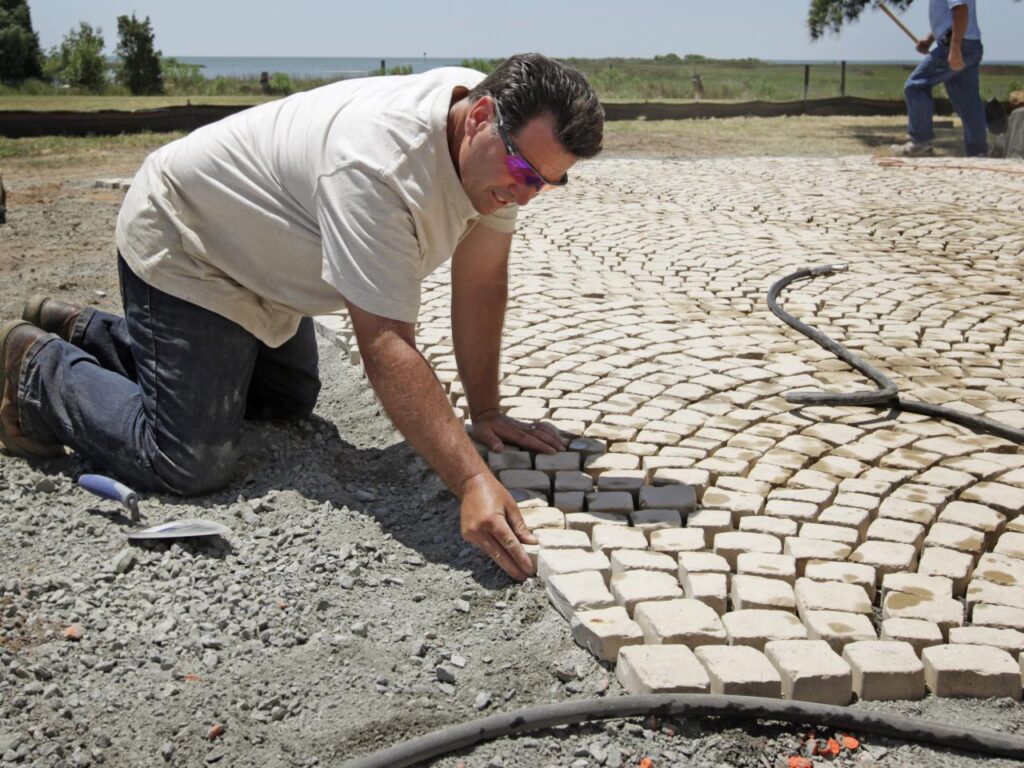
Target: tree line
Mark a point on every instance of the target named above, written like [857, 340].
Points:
[78, 62]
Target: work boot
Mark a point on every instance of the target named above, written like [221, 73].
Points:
[16, 338]
[913, 149]
[52, 315]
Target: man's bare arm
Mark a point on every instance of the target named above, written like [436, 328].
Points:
[416, 403]
[961, 15]
[479, 297]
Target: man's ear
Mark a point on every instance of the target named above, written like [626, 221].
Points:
[480, 115]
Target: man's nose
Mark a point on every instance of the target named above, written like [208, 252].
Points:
[525, 194]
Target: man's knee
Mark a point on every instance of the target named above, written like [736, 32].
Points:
[196, 470]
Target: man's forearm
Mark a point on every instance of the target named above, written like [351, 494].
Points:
[416, 403]
[478, 315]
[960, 18]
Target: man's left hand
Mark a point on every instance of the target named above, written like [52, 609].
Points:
[496, 429]
[956, 59]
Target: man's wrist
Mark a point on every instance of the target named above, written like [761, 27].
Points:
[474, 416]
[467, 484]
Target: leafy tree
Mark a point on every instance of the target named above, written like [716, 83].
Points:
[831, 15]
[140, 62]
[79, 60]
[20, 57]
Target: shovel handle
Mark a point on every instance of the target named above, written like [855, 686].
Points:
[108, 488]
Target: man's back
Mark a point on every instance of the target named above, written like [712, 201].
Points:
[232, 217]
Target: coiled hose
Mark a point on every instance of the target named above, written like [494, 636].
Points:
[465, 735]
[886, 396]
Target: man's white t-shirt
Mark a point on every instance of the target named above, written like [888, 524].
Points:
[279, 211]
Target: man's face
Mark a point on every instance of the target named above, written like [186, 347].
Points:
[486, 176]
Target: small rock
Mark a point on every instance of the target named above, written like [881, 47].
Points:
[123, 560]
[359, 629]
[462, 606]
[45, 485]
[444, 674]
[482, 700]
[211, 659]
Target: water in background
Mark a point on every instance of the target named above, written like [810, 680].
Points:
[306, 67]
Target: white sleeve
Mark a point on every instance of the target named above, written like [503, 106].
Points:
[370, 251]
[502, 220]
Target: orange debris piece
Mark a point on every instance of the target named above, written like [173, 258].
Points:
[851, 743]
[647, 763]
[215, 731]
[73, 632]
[799, 762]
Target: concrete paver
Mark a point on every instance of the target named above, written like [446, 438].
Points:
[885, 670]
[756, 627]
[686, 621]
[918, 633]
[975, 671]
[811, 671]
[739, 671]
[661, 669]
[606, 631]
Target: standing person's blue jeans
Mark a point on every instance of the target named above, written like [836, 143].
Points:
[963, 90]
[158, 397]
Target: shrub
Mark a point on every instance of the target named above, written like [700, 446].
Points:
[79, 62]
[483, 65]
[180, 77]
[281, 83]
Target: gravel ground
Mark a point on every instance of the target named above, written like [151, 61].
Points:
[341, 615]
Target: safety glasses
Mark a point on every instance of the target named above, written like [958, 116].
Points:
[520, 168]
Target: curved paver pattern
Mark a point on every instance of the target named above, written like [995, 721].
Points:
[637, 317]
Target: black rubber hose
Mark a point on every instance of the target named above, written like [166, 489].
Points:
[886, 396]
[465, 735]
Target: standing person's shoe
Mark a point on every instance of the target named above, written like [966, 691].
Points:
[913, 149]
[52, 315]
[16, 338]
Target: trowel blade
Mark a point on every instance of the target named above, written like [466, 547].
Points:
[180, 529]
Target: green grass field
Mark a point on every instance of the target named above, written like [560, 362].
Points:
[747, 80]
[665, 78]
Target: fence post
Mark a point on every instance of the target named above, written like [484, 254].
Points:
[842, 78]
[807, 83]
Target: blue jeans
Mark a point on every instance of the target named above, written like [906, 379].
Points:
[963, 90]
[157, 397]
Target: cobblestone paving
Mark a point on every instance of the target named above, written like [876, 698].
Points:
[828, 551]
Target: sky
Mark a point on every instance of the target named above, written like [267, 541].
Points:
[765, 29]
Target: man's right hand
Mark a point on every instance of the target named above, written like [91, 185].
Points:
[491, 521]
[924, 44]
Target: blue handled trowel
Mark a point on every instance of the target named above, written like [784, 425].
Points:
[108, 488]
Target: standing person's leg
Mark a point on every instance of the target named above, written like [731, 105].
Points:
[965, 93]
[917, 92]
[175, 428]
[285, 381]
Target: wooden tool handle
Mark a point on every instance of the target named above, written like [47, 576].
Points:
[899, 23]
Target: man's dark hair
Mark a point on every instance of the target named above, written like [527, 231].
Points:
[529, 85]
